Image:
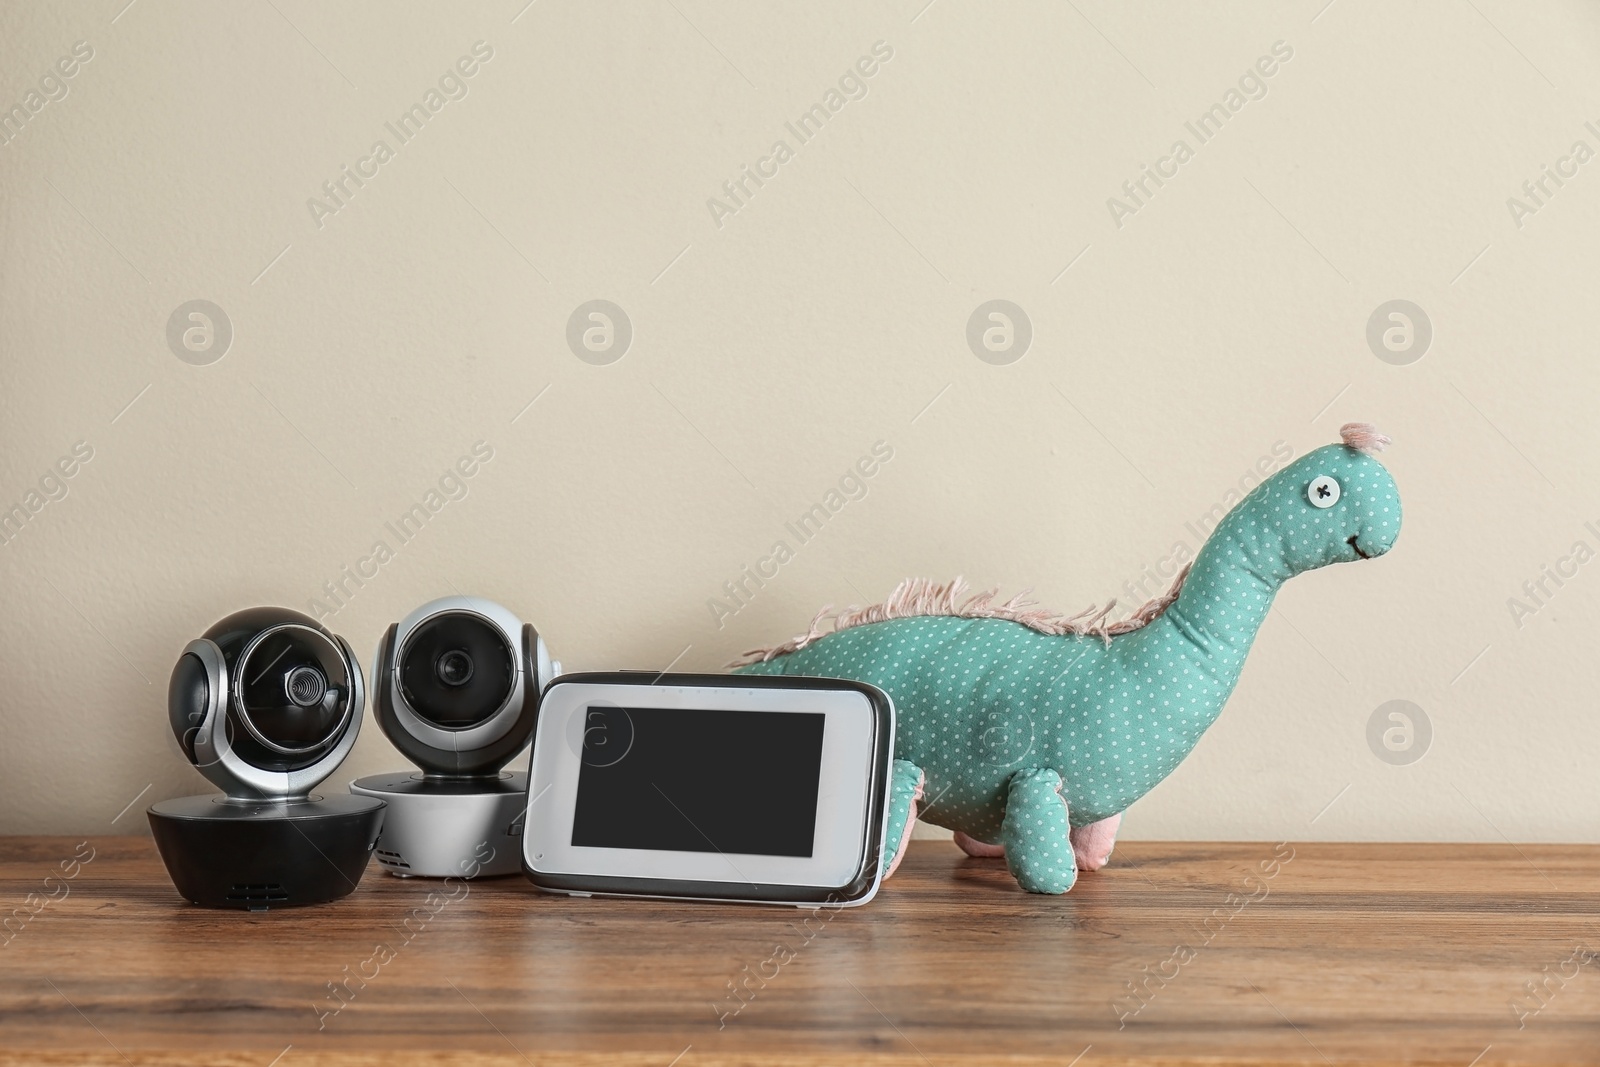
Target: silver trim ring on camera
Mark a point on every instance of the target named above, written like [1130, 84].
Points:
[244, 714]
[504, 718]
[212, 753]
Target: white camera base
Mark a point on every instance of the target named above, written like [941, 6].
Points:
[449, 827]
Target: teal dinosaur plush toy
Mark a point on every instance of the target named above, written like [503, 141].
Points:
[1029, 733]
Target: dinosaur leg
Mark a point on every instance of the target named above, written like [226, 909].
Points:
[905, 789]
[1092, 844]
[1035, 833]
[978, 849]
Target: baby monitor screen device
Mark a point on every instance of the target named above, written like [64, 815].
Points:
[710, 786]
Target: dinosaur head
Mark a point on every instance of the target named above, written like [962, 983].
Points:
[1333, 505]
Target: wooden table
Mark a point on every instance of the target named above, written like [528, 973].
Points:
[1246, 953]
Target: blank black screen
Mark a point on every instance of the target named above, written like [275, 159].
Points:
[699, 781]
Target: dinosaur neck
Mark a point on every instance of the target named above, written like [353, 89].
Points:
[1230, 590]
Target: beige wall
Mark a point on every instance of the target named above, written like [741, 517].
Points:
[374, 345]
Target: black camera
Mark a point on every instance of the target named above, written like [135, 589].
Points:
[266, 704]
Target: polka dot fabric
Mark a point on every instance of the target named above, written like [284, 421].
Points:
[1018, 735]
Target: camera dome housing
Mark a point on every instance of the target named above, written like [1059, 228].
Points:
[456, 688]
[266, 704]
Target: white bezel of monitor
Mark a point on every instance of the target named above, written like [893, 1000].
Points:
[857, 746]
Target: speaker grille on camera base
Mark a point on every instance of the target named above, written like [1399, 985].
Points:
[391, 859]
[258, 894]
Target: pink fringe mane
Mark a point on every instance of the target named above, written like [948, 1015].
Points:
[922, 596]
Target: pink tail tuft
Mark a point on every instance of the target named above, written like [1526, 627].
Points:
[1364, 437]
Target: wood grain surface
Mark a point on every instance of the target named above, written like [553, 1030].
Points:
[1243, 953]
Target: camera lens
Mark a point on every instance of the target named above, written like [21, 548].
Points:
[454, 668]
[293, 691]
[306, 686]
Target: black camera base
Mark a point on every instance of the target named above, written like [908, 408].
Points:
[256, 855]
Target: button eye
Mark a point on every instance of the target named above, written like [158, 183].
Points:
[1323, 492]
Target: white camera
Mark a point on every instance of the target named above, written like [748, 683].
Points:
[266, 704]
[456, 688]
